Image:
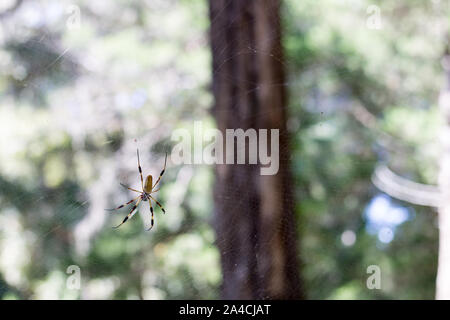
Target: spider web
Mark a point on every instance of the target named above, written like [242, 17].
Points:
[82, 144]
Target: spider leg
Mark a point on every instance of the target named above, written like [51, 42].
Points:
[162, 172]
[153, 215]
[156, 190]
[123, 205]
[140, 170]
[130, 214]
[130, 188]
[159, 204]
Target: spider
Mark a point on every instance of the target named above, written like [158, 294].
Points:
[145, 194]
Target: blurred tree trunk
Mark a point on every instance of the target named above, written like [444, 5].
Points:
[254, 215]
[443, 278]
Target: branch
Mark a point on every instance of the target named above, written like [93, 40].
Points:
[404, 189]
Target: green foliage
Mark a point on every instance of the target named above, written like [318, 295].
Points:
[75, 99]
[337, 66]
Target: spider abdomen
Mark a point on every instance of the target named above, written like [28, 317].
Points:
[148, 184]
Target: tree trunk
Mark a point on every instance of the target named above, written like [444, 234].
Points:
[254, 216]
[443, 278]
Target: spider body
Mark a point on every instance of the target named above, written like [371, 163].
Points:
[148, 184]
[145, 195]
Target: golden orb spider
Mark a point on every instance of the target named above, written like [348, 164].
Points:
[145, 194]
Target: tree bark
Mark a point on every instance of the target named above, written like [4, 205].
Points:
[254, 214]
[443, 277]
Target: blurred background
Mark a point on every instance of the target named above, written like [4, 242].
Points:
[85, 83]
